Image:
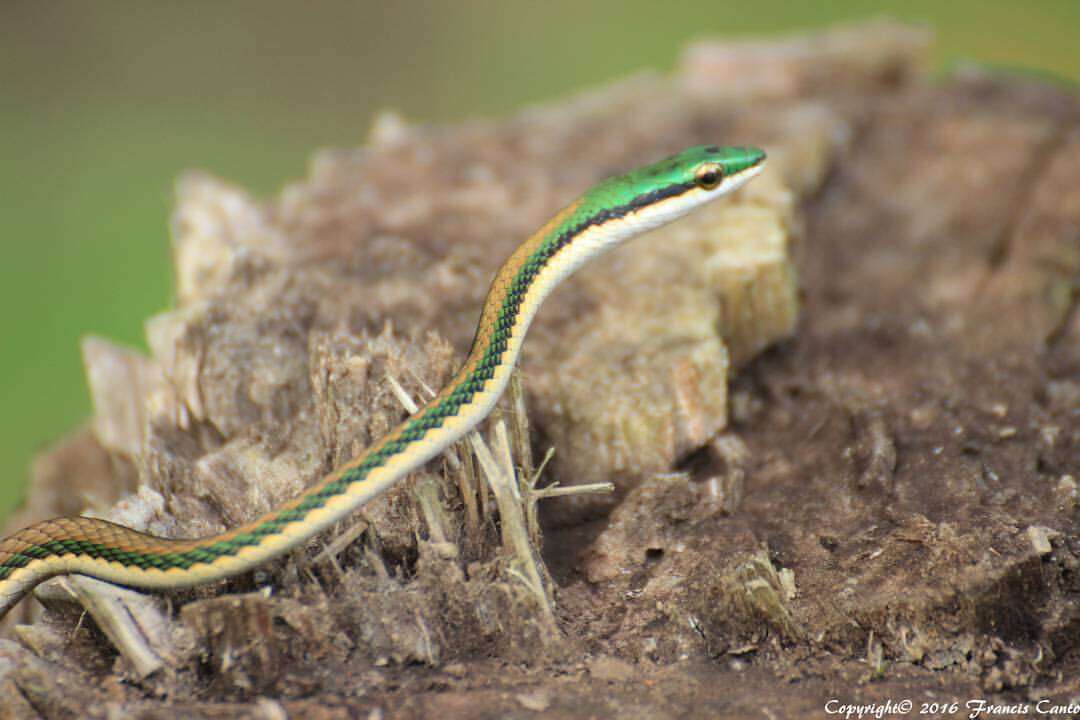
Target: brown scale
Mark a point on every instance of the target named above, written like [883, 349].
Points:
[101, 532]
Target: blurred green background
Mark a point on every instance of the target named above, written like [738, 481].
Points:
[105, 103]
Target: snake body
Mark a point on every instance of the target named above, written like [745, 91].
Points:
[612, 211]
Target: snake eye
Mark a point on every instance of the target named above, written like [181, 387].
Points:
[708, 176]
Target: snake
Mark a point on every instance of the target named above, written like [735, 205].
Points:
[612, 211]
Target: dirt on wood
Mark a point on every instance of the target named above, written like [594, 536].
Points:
[881, 505]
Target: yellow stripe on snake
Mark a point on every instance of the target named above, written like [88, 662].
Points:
[616, 209]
